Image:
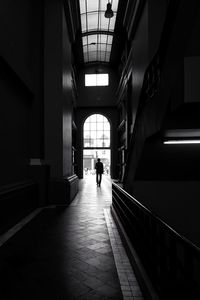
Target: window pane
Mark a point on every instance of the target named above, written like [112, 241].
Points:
[90, 80]
[102, 79]
[84, 40]
[86, 134]
[103, 5]
[85, 57]
[92, 5]
[99, 143]
[106, 135]
[92, 55]
[106, 143]
[85, 49]
[93, 126]
[106, 126]
[93, 118]
[112, 23]
[99, 134]
[115, 5]
[82, 6]
[92, 38]
[100, 118]
[103, 38]
[99, 55]
[93, 135]
[87, 126]
[100, 126]
[103, 47]
[103, 22]
[110, 39]
[83, 22]
[107, 56]
[92, 19]
[108, 49]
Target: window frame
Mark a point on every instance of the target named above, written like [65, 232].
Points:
[87, 134]
[96, 78]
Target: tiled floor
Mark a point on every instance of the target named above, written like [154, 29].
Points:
[68, 252]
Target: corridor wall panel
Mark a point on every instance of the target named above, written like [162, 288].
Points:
[14, 126]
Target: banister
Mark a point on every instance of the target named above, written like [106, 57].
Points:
[155, 217]
[170, 259]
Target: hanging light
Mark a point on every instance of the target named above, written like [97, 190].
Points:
[109, 13]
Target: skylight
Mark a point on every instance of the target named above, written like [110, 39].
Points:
[97, 31]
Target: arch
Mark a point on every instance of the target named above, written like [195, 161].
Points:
[96, 132]
[96, 143]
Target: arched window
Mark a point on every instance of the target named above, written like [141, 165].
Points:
[96, 132]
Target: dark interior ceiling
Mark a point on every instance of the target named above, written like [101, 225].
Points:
[119, 38]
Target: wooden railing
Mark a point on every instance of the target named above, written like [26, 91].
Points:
[171, 261]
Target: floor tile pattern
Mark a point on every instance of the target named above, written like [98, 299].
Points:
[63, 253]
[129, 284]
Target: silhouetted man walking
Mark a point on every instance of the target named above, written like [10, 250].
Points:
[99, 171]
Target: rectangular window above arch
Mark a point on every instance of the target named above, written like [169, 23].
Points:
[96, 80]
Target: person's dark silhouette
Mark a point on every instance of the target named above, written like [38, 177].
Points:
[99, 171]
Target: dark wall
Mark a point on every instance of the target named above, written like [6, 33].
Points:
[175, 202]
[156, 16]
[20, 87]
[165, 177]
[162, 162]
[112, 116]
[156, 111]
[97, 96]
[57, 91]
[16, 101]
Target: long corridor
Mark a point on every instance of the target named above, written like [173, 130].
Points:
[69, 252]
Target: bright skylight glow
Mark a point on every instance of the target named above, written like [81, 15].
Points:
[96, 79]
[97, 31]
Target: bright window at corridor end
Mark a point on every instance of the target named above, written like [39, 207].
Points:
[96, 79]
[96, 132]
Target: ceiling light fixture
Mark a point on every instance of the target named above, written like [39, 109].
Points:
[109, 13]
[182, 142]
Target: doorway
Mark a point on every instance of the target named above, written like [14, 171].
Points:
[90, 159]
[96, 144]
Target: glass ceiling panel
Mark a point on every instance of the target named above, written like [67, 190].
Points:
[103, 5]
[92, 21]
[92, 38]
[103, 47]
[85, 55]
[110, 39]
[92, 47]
[114, 5]
[82, 6]
[84, 40]
[112, 22]
[97, 46]
[92, 5]
[83, 22]
[92, 55]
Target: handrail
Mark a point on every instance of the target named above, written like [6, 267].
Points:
[155, 217]
[170, 259]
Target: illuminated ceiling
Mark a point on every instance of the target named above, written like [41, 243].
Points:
[97, 31]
